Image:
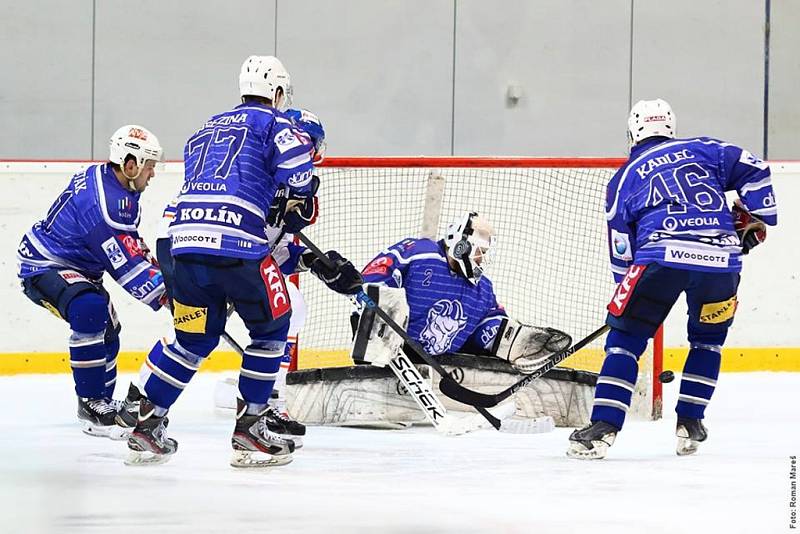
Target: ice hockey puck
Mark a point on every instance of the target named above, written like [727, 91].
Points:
[666, 376]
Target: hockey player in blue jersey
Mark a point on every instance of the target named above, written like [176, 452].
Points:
[91, 229]
[290, 257]
[670, 232]
[440, 290]
[245, 168]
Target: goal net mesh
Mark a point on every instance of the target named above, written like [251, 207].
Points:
[550, 267]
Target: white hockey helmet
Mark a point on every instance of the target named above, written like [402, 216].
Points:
[470, 242]
[650, 118]
[262, 76]
[136, 141]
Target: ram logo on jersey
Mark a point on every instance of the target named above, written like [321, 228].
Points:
[445, 320]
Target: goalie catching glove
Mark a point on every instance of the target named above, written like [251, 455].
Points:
[526, 347]
[342, 277]
[750, 228]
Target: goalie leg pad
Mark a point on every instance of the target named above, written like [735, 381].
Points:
[528, 347]
[375, 342]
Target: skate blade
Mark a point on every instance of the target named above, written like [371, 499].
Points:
[136, 458]
[112, 432]
[579, 452]
[254, 459]
[298, 440]
[686, 446]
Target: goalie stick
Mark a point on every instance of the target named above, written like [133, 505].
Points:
[486, 400]
[362, 297]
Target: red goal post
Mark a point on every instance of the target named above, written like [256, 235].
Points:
[551, 267]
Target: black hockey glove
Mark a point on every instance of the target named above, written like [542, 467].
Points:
[343, 278]
[751, 230]
[291, 211]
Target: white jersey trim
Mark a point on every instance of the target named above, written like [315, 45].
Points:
[41, 249]
[101, 192]
[421, 256]
[224, 230]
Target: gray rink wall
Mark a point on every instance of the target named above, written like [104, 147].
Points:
[402, 77]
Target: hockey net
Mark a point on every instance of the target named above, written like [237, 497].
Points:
[551, 267]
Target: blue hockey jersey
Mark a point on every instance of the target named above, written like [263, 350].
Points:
[667, 204]
[233, 167]
[446, 312]
[92, 228]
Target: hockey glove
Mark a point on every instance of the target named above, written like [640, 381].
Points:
[292, 211]
[343, 278]
[750, 228]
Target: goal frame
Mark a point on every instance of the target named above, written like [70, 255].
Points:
[506, 162]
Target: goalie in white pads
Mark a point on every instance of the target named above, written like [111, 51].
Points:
[438, 291]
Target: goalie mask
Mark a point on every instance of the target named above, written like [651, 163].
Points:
[470, 242]
[650, 118]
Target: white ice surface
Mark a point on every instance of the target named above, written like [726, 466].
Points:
[55, 479]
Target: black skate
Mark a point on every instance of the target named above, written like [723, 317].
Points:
[98, 417]
[287, 428]
[148, 442]
[254, 445]
[592, 441]
[128, 408]
[691, 433]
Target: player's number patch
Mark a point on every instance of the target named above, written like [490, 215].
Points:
[189, 319]
[718, 312]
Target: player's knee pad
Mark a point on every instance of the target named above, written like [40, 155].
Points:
[632, 343]
[88, 312]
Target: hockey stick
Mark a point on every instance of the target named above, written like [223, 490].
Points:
[228, 338]
[486, 400]
[362, 297]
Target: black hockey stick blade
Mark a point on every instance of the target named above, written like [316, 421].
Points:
[427, 358]
[487, 400]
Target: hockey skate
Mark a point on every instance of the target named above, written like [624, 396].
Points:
[691, 433]
[98, 417]
[254, 445]
[148, 442]
[592, 441]
[128, 408]
[281, 424]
